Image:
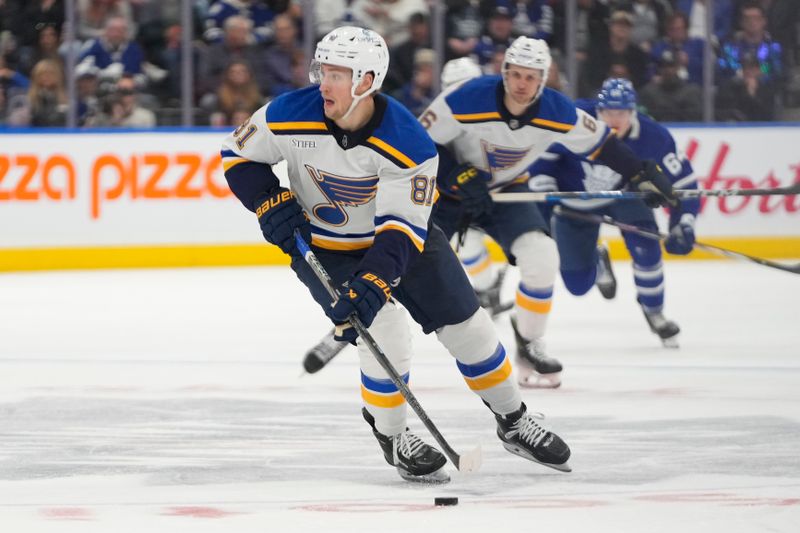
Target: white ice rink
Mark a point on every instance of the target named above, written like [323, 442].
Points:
[170, 400]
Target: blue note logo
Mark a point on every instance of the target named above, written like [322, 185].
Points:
[340, 192]
[500, 158]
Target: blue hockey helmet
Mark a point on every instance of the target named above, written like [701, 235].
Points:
[616, 93]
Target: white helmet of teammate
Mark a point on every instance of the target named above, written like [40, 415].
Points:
[359, 49]
[529, 53]
[460, 69]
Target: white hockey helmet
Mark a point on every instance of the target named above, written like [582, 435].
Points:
[460, 69]
[529, 53]
[359, 49]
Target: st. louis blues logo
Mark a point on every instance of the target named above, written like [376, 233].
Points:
[500, 158]
[340, 192]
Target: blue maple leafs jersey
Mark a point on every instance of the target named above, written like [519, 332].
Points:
[354, 187]
[561, 170]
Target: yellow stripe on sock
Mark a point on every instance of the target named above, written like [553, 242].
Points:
[493, 378]
[382, 400]
[533, 305]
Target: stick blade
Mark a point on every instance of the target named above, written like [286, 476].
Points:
[470, 461]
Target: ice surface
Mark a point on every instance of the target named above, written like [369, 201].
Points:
[170, 400]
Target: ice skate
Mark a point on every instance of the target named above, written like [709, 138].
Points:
[415, 461]
[523, 435]
[321, 354]
[535, 369]
[606, 281]
[667, 330]
[490, 298]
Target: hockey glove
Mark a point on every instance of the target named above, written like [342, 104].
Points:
[279, 215]
[681, 236]
[470, 186]
[652, 180]
[363, 296]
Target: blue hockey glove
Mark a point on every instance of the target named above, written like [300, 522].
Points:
[363, 296]
[652, 180]
[470, 186]
[681, 236]
[279, 215]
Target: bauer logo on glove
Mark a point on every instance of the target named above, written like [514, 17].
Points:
[273, 201]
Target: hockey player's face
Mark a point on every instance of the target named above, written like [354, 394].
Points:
[619, 119]
[522, 83]
[335, 86]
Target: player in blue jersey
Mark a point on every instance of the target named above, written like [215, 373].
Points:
[583, 264]
[361, 175]
[488, 132]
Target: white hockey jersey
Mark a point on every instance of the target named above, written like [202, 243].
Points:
[354, 186]
[474, 125]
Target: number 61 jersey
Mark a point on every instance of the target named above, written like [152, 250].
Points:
[358, 188]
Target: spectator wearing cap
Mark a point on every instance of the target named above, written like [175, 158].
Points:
[388, 17]
[418, 93]
[498, 35]
[402, 55]
[463, 27]
[87, 87]
[688, 50]
[754, 40]
[532, 18]
[114, 53]
[748, 96]
[618, 49]
[667, 97]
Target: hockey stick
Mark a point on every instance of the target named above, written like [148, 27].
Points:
[594, 217]
[555, 196]
[468, 462]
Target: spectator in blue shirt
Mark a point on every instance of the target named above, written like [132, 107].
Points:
[754, 40]
[688, 50]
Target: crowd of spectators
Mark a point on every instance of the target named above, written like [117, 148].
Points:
[247, 52]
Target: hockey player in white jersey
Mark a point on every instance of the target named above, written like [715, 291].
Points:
[488, 131]
[362, 180]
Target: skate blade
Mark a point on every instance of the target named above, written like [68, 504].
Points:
[540, 381]
[516, 450]
[437, 477]
[671, 342]
[470, 461]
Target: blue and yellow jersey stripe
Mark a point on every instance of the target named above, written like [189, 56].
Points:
[414, 233]
[487, 373]
[472, 118]
[552, 125]
[297, 127]
[230, 159]
[381, 392]
[390, 152]
[328, 240]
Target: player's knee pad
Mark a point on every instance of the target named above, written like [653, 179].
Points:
[472, 340]
[644, 251]
[537, 259]
[391, 332]
[578, 282]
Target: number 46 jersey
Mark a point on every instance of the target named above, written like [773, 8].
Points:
[358, 188]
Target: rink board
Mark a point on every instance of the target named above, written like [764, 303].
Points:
[159, 199]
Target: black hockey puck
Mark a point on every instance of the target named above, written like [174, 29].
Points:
[445, 501]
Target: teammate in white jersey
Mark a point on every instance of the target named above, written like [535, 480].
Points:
[362, 174]
[488, 132]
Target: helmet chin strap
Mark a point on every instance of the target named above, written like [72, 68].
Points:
[356, 99]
